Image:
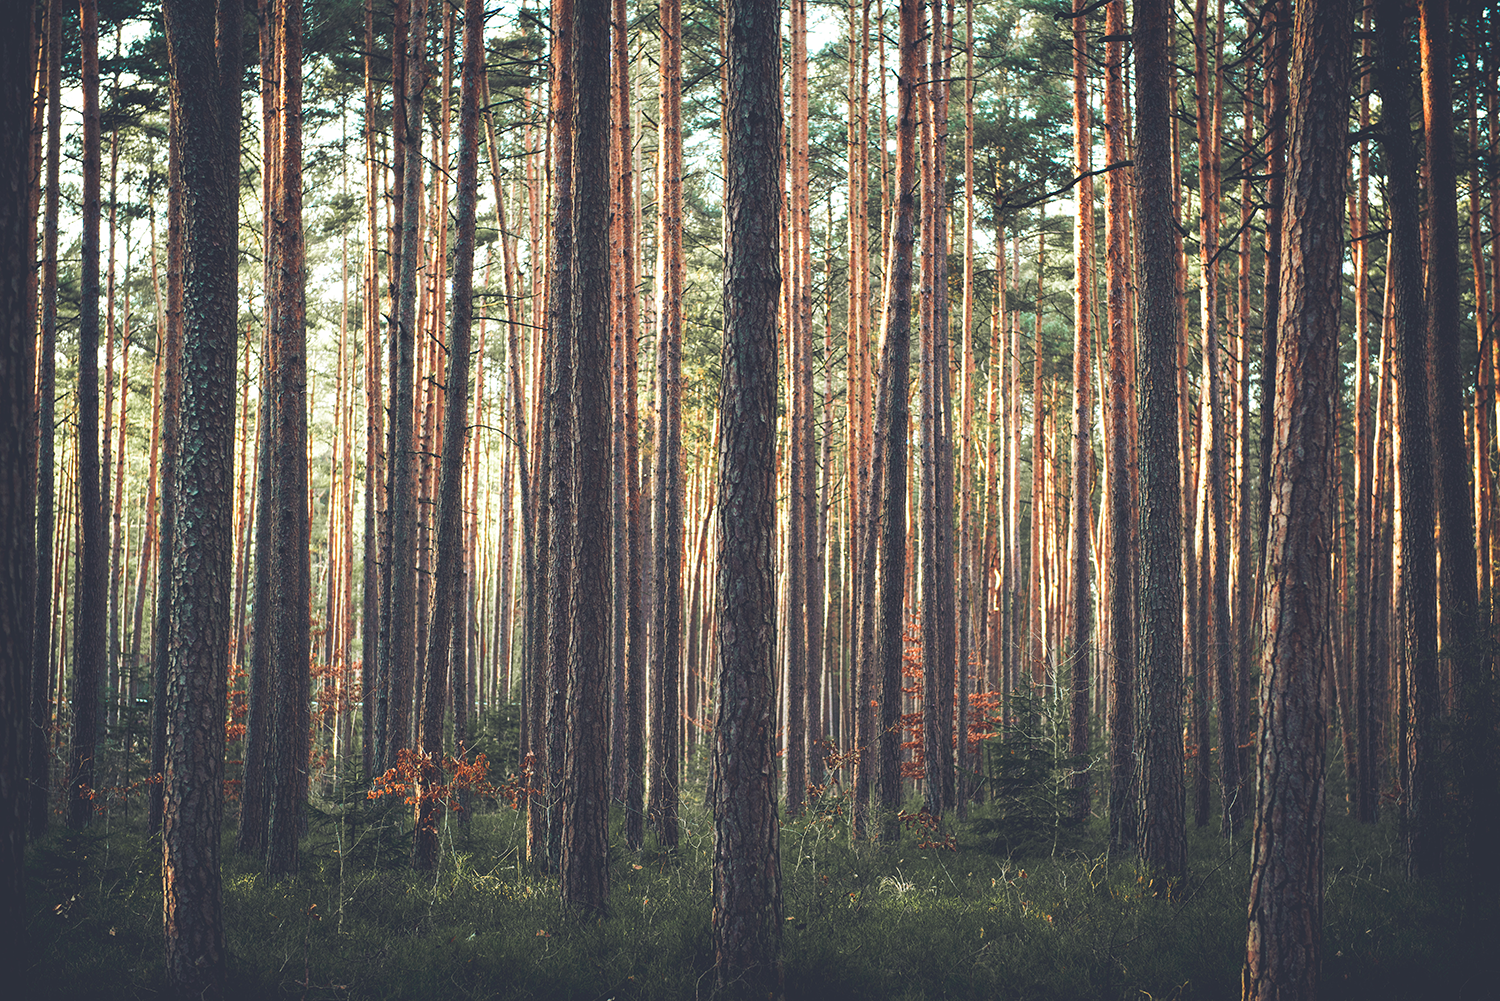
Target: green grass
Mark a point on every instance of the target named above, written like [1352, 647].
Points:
[890, 921]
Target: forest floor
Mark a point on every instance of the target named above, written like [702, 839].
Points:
[988, 915]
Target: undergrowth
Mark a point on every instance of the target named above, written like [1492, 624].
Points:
[995, 916]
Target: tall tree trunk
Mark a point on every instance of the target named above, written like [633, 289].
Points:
[170, 334]
[1122, 512]
[401, 493]
[1460, 628]
[559, 421]
[585, 847]
[1418, 569]
[1080, 626]
[666, 516]
[89, 612]
[1286, 868]
[446, 632]
[634, 712]
[938, 620]
[1163, 837]
[1220, 652]
[39, 739]
[747, 910]
[18, 51]
[1277, 20]
[882, 622]
[1366, 801]
[204, 52]
[287, 760]
[374, 418]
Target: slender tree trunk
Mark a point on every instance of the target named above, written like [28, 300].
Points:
[89, 612]
[204, 51]
[1122, 513]
[1080, 627]
[559, 420]
[1277, 21]
[967, 543]
[585, 846]
[636, 628]
[1163, 837]
[666, 518]
[938, 618]
[446, 632]
[1472, 676]
[881, 625]
[39, 738]
[18, 53]
[402, 496]
[1286, 869]
[291, 650]
[1418, 570]
[374, 419]
[747, 910]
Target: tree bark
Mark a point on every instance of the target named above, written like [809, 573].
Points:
[291, 584]
[448, 599]
[204, 52]
[747, 910]
[1080, 628]
[1162, 834]
[1283, 950]
[1277, 21]
[89, 612]
[585, 848]
[1414, 459]
[39, 734]
[18, 52]
[558, 409]
[666, 515]
[401, 492]
[1461, 625]
[1122, 513]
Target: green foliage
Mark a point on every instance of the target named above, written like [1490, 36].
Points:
[1027, 773]
[895, 920]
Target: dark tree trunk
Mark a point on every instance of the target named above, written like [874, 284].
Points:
[204, 50]
[633, 716]
[1081, 606]
[89, 612]
[17, 498]
[400, 656]
[1462, 629]
[1414, 416]
[39, 734]
[938, 620]
[374, 424]
[1163, 834]
[747, 912]
[883, 621]
[170, 432]
[558, 411]
[585, 843]
[1286, 874]
[666, 513]
[1277, 23]
[255, 790]
[448, 598]
[291, 583]
[1122, 565]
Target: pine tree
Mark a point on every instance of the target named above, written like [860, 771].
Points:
[204, 49]
[747, 911]
[1162, 836]
[1286, 868]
